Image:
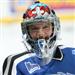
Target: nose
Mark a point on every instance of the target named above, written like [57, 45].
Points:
[41, 34]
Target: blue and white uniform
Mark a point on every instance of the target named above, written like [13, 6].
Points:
[27, 63]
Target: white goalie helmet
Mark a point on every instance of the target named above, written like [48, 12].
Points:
[36, 13]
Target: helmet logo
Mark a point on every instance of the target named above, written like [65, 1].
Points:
[38, 11]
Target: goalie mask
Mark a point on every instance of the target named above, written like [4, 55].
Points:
[37, 14]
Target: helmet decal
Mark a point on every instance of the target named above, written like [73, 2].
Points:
[36, 10]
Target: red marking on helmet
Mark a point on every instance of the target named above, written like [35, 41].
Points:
[42, 8]
[30, 14]
[47, 10]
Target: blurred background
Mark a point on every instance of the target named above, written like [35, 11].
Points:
[11, 12]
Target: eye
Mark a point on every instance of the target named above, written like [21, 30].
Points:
[33, 29]
[47, 26]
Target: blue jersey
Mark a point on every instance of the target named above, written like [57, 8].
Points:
[27, 63]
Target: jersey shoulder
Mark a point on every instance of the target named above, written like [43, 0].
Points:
[68, 52]
[67, 49]
[10, 60]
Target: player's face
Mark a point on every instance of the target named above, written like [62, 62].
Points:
[41, 30]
